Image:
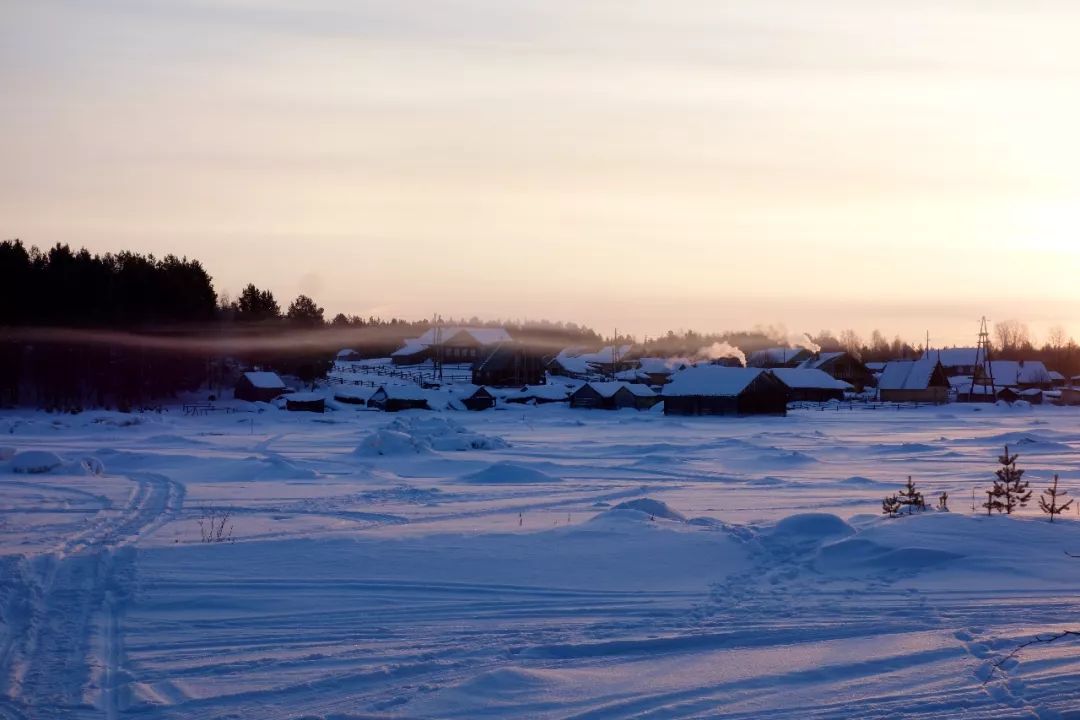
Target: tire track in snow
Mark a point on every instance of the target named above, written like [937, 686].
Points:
[77, 592]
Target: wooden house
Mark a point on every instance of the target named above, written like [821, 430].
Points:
[613, 396]
[451, 345]
[305, 402]
[810, 385]
[393, 398]
[842, 366]
[259, 386]
[509, 364]
[778, 357]
[718, 390]
[920, 381]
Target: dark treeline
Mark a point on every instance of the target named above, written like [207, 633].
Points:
[169, 331]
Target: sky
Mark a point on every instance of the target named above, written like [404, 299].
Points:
[706, 164]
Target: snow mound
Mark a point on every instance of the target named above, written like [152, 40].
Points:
[767, 481]
[810, 527]
[390, 442]
[504, 682]
[508, 474]
[856, 553]
[653, 508]
[6, 453]
[859, 481]
[439, 433]
[276, 467]
[35, 461]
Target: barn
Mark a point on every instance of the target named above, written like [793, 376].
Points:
[509, 364]
[259, 386]
[842, 366]
[613, 396]
[718, 390]
[393, 398]
[922, 381]
[806, 385]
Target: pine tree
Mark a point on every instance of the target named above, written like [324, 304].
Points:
[943, 502]
[1048, 502]
[910, 497]
[1010, 487]
[890, 506]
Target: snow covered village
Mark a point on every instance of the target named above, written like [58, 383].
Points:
[508, 359]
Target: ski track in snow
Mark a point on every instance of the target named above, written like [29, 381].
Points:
[390, 587]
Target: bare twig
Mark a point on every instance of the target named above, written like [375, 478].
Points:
[996, 666]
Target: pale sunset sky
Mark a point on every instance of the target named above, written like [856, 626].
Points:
[706, 164]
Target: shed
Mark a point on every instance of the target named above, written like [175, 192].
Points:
[613, 396]
[1057, 379]
[807, 385]
[305, 402]
[353, 394]
[539, 394]
[1032, 395]
[921, 380]
[393, 398]
[479, 399]
[718, 390]
[258, 386]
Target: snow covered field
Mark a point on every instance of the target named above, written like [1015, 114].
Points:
[470, 565]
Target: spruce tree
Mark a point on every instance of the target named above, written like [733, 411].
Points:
[890, 506]
[1010, 487]
[910, 497]
[1048, 502]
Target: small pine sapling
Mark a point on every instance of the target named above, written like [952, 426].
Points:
[1048, 501]
[1014, 490]
[943, 502]
[911, 498]
[890, 506]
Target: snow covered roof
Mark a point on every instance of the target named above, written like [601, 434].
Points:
[543, 392]
[775, 355]
[809, 379]
[820, 359]
[482, 335]
[403, 392]
[608, 389]
[875, 366]
[411, 347]
[264, 380]
[347, 352]
[1056, 376]
[304, 397]
[355, 392]
[711, 380]
[1012, 372]
[660, 366]
[907, 374]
